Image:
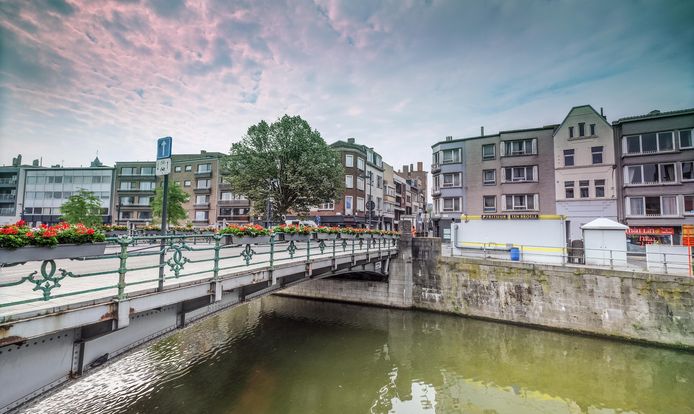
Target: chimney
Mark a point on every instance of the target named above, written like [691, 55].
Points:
[420, 166]
[449, 138]
[411, 168]
[203, 152]
[481, 131]
[35, 163]
[404, 169]
[350, 140]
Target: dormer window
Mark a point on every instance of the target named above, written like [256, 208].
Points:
[581, 129]
[592, 129]
[571, 132]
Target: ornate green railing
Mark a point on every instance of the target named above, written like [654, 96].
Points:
[130, 262]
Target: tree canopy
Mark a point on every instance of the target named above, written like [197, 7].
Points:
[174, 207]
[288, 162]
[83, 207]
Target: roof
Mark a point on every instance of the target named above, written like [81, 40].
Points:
[509, 131]
[577, 107]
[653, 115]
[603, 224]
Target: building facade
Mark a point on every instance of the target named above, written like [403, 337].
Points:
[389, 200]
[11, 186]
[420, 176]
[584, 169]
[134, 192]
[448, 192]
[656, 175]
[47, 189]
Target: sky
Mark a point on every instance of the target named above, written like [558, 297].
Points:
[110, 77]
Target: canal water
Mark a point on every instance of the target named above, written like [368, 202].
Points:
[286, 355]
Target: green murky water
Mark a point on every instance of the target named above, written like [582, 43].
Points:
[283, 355]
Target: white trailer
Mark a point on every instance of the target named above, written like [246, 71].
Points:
[516, 236]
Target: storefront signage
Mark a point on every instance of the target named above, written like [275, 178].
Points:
[688, 235]
[659, 231]
[513, 216]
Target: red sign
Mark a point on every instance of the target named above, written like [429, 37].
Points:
[688, 235]
[652, 231]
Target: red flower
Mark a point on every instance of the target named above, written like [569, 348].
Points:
[30, 234]
[90, 231]
[21, 223]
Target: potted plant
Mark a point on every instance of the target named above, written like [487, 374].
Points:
[182, 230]
[349, 233]
[245, 234]
[151, 230]
[20, 243]
[293, 232]
[327, 233]
[114, 230]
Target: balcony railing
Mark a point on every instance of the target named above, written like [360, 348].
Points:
[6, 181]
[7, 197]
[7, 212]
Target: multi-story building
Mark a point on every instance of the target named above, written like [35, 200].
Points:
[47, 189]
[656, 174]
[363, 180]
[584, 169]
[448, 192]
[134, 192]
[11, 191]
[419, 175]
[400, 200]
[389, 200]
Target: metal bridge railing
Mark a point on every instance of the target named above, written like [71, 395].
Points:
[132, 264]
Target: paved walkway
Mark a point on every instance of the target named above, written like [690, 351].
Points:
[142, 275]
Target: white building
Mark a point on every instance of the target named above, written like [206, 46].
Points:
[584, 169]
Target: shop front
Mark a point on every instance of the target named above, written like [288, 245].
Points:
[641, 236]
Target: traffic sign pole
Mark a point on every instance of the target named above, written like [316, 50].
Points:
[164, 146]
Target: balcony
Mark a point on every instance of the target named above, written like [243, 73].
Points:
[135, 190]
[202, 206]
[7, 212]
[8, 182]
[203, 174]
[436, 192]
[234, 203]
[202, 190]
[7, 197]
[435, 168]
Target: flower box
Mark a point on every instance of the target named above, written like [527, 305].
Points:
[116, 233]
[40, 253]
[294, 237]
[366, 236]
[326, 236]
[242, 240]
[348, 236]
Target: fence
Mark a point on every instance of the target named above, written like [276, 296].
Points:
[676, 260]
[128, 263]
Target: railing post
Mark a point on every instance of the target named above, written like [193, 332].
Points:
[122, 269]
[308, 248]
[217, 247]
[162, 258]
[665, 262]
[272, 252]
[334, 243]
[611, 260]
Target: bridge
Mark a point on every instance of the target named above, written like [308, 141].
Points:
[59, 318]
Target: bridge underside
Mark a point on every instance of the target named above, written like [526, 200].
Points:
[46, 349]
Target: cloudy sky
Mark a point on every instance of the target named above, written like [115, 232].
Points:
[112, 76]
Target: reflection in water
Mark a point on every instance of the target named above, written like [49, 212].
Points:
[283, 355]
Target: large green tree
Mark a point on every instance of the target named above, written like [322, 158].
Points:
[174, 206]
[288, 162]
[83, 207]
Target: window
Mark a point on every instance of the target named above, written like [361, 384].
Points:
[125, 215]
[451, 156]
[201, 215]
[360, 183]
[379, 181]
[597, 154]
[686, 138]
[95, 180]
[56, 180]
[489, 204]
[349, 181]
[687, 170]
[189, 168]
[145, 185]
[650, 174]
[599, 188]
[568, 157]
[519, 147]
[330, 205]
[569, 189]
[348, 204]
[488, 151]
[584, 188]
[127, 171]
[147, 171]
[360, 203]
[452, 179]
[667, 173]
[186, 183]
[360, 163]
[204, 168]
[653, 206]
[127, 185]
[521, 201]
[227, 196]
[581, 129]
[489, 177]
[649, 143]
[177, 168]
[68, 180]
[202, 199]
[126, 201]
[145, 215]
[571, 132]
[451, 204]
[592, 129]
[349, 160]
[203, 184]
[689, 204]
[144, 201]
[519, 174]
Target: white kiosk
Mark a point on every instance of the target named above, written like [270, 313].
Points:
[605, 242]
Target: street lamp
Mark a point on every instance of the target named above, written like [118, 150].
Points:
[370, 201]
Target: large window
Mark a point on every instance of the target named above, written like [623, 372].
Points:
[451, 156]
[489, 204]
[330, 205]
[569, 189]
[592, 129]
[146, 185]
[568, 157]
[451, 204]
[202, 199]
[204, 168]
[599, 188]
[521, 201]
[519, 147]
[360, 183]
[144, 201]
[360, 163]
[360, 203]
[650, 174]
[349, 181]
[489, 177]
[652, 206]
[147, 171]
[584, 188]
[686, 138]
[348, 204]
[126, 201]
[520, 174]
[597, 154]
[452, 179]
[349, 160]
[488, 151]
[201, 215]
[128, 171]
[649, 143]
[689, 204]
[203, 184]
[581, 129]
[687, 170]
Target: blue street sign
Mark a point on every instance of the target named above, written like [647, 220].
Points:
[164, 148]
[317, 220]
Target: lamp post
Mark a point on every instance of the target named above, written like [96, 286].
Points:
[370, 177]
